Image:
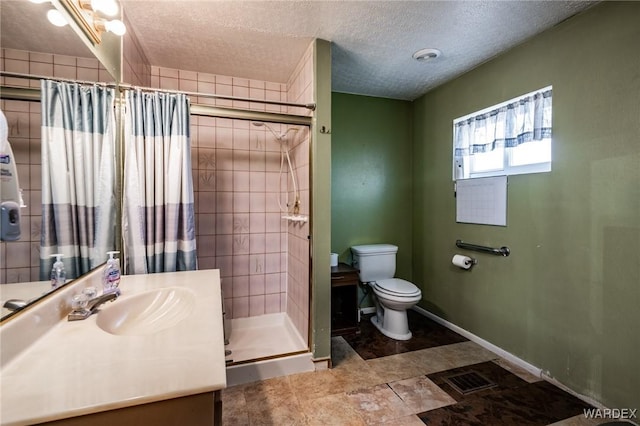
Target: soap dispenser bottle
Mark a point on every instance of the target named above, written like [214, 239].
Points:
[10, 193]
[111, 275]
[58, 274]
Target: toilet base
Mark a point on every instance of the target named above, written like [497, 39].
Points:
[390, 334]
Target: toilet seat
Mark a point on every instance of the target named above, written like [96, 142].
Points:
[397, 288]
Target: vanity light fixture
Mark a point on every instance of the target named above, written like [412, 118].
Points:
[106, 7]
[427, 54]
[88, 16]
[115, 26]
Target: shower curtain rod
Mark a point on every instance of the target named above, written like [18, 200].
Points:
[33, 95]
[121, 87]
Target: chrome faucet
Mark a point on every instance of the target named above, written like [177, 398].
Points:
[92, 306]
[15, 304]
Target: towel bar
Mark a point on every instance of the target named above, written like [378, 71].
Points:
[502, 251]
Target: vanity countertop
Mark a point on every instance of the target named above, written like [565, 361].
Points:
[77, 368]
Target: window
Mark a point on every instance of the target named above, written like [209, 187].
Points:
[510, 138]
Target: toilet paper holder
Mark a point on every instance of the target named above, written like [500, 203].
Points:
[464, 262]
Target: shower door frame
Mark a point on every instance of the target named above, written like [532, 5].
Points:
[279, 118]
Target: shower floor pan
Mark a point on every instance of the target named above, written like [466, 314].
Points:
[263, 347]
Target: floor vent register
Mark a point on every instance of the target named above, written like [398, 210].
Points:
[468, 382]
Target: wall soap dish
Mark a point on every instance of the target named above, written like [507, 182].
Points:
[296, 218]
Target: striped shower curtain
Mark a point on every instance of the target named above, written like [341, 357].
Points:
[158, 214]
[78, 176]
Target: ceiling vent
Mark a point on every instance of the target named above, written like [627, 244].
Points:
[428, 54]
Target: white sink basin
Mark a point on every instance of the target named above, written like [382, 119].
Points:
[148, 312]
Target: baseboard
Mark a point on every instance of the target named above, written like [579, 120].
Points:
[269, 368]
[506, 355]
[321, 364]
[487, 345]
[588, 400]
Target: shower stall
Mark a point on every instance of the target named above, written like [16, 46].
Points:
[252, 206]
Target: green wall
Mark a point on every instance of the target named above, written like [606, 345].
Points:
[371, 180]
[321, 204]
[567, 300]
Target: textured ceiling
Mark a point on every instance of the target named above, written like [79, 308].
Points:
[372, 40]
[24, 26]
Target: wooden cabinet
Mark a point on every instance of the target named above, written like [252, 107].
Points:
[204, 409]
[344, 300]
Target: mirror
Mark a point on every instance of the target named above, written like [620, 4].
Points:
[31, 45]
[25, 27]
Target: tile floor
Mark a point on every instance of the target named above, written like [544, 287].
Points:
[380, 381]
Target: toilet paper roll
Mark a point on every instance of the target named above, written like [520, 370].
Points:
[464, 262]
[334, 259]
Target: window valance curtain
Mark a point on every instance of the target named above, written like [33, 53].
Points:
[508, 126]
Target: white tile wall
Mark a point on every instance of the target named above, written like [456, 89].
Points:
[300, 90]
[237, 185]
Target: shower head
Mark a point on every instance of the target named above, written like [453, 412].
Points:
[279, 136]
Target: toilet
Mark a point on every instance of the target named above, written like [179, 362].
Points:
[377, 265]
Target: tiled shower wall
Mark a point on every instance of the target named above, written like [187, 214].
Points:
[19, 260]
[237, 183]
[238, 224]
[300, 90]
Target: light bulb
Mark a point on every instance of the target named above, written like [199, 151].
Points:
[55, 17]
[116, 26]
[107, 7]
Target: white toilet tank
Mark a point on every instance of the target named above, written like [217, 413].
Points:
[375, 261]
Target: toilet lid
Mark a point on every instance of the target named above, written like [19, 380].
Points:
[397, 287]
